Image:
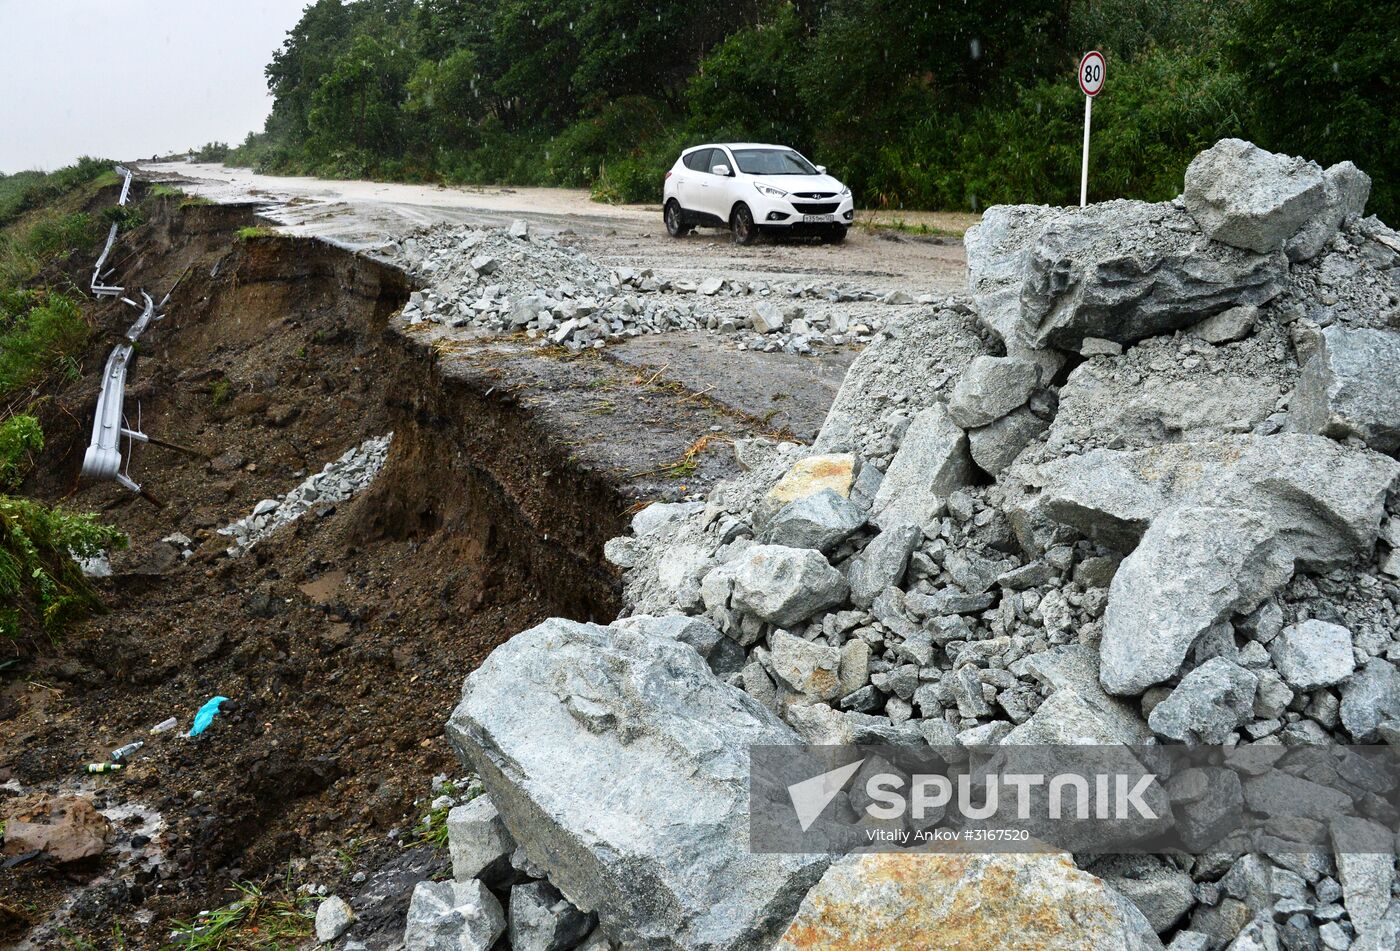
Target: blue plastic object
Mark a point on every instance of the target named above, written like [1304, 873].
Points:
[205, 715]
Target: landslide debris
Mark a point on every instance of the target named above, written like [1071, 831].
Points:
[1139, 486]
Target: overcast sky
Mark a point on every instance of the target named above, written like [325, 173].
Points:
[126, 79]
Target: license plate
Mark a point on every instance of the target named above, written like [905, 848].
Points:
[811, 219]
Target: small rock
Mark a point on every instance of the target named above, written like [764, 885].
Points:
[333, 918]
[1313, 654]
[453, 916]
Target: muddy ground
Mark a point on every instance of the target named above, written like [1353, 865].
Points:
[342, 641]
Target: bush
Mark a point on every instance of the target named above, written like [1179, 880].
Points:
[28, 190]
[40, 585]
[49, 335]
[20, 436]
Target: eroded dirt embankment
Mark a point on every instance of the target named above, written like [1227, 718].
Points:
[342, 641]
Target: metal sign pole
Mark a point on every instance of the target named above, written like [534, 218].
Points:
[1084, 166]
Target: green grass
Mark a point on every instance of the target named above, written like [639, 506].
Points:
[247, 234]
[42, 336]
[220, 392]
[256, 921]
[25, 191]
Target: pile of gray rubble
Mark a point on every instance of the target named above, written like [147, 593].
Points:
[508, 280]
[1138, 487]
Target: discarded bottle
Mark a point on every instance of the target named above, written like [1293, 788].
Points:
[122, 752]
[164, 725]
[105, 767]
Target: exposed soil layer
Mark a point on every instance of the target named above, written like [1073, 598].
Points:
[343, 640]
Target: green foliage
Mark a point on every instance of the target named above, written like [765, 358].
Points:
[952, 105]
[1322, 80]
[40, 585]
[40, 333]
[258, 920]
[256, 231]
[24, 254]
[19, 437]
[24, 191]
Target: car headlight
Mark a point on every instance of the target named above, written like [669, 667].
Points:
[769, 190]
[845, 190]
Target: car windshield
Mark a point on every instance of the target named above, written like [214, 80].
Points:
[772, 162]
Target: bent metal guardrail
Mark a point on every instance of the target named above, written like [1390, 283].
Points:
[99, 288]
[103, 459]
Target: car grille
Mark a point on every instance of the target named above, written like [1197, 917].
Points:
[814, 194]
[816, 207]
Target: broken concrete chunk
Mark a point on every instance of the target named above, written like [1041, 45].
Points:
[766, 317]
[453, 916]
[996, 446]
[917, 900]
[541, 919]
[821, 521]
[1369, 698]
[931, 463]
[1209, 704]
[810, 669]
[834, 471]
[785, 586]
[1128, 270]
[619, 762]
[1252, 199]
[990, 388]
[1313, 654]
[1348, 387]
[1195, 566]
[882, 562]
[1347, 188]
[476, 838]
[1228, 326]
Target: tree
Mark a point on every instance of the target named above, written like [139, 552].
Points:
[1323, 77]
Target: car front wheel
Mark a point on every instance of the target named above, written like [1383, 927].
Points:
[675, 220]
[741, 225]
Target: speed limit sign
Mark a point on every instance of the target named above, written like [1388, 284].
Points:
[1091, 77]
[1091, 73]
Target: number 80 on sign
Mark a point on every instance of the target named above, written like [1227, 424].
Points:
[1091, 73]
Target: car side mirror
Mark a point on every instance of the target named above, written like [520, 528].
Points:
[821, 169]
[720, 170]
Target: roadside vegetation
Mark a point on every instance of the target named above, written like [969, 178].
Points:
[46, 239]
[933, 106]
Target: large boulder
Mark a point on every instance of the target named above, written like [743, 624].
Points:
[541, 919]
[453, 916]
[990, 388]
[821, 521]
[882, 562]
[785, 586]
[996, 446]
[998, 250]
[922, 900]
[1313, 654]
[1348, 387]
[932, 462]
[1249, 198]
[1213, 529]
[1127, 270]
[620, 763]
[1347, 189]
[477, 839]
[1208, 705]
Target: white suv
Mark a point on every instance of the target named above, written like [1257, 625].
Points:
[751, 188]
